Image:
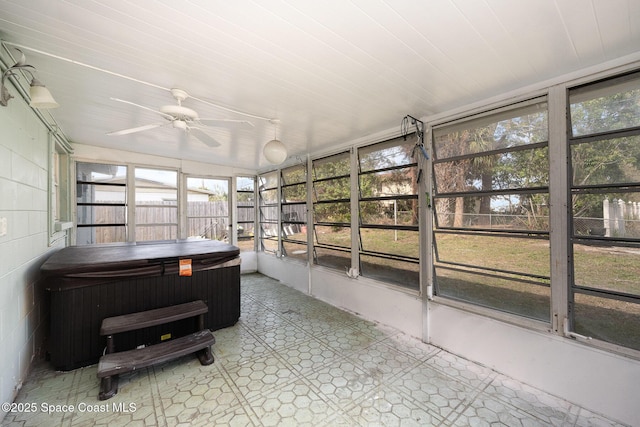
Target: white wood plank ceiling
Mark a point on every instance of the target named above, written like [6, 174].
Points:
[331, 71]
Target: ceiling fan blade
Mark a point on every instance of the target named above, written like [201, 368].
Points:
[203, 137]
[165, 115]
[136, 129]
[220, 122]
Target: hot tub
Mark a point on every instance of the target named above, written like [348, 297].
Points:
[90, 283]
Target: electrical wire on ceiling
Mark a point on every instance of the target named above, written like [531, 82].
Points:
[112, 73]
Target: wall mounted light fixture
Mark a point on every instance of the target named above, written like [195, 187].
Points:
[39, 94]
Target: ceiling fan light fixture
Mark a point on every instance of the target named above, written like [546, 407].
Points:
[179, 124]
[275, 151]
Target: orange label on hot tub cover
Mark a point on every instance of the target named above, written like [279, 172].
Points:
[185, 267]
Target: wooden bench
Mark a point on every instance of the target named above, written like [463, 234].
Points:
[114, 363]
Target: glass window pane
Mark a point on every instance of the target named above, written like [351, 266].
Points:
[327, 257]
[389, 183]
[395, 152]
[245, 212]
[398, 272]
[270, 244]
[209, 228]
[605, 106]
[327, 167]
[156, 196]
[269, 196]
[156, 232]
[617, 322]
[294, 175]
[507, 128]
[505, 171]
[96, 193]
[101, 199]
[389, 212]
[269, 213]
[498, 212]
[245, 183]
[607, 267]
[393, 242]
[332, 189]
[502, 293]
[96, 214]
[99, 234]
[208, 208]
[155, 214]
[101, 173]
[614, 215]
[153, 185]
[295, 193]
[295, 232]
[333, 236]
[294, 213]
[295, 250]
[207, 190]
[514, 254]
[332, 212]
[606, 210]
[268, 180]
[609, 161]
[246, 237]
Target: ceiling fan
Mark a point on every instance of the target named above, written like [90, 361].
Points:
[179, 117]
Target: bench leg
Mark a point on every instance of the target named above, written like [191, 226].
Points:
[108, 387]
[205, 356]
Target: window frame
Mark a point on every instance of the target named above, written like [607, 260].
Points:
[238, 221]
[124, 204]
[264, 207]
[317, 225]
[224, 231]
[134, 226]
[288, 223]
[482, 116]
[363, 252]
[582, 92]
[60, 211]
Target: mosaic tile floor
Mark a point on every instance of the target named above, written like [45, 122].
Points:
[292, 360]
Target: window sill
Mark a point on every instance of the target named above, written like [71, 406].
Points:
[61, 226]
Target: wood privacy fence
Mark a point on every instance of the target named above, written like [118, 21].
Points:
[158, 221]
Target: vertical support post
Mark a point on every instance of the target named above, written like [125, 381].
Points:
[355, 215]
[110, 344]
[559, 197]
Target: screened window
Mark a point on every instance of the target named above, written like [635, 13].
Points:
[332, 211]
[101, 203]
[293, 187]
[268, 193]
[156, 204]
[491, 210]
[388, 209]
[604, 150]
[208, 208]
[246, 211]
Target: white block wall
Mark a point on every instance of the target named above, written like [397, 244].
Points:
[23, 202]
